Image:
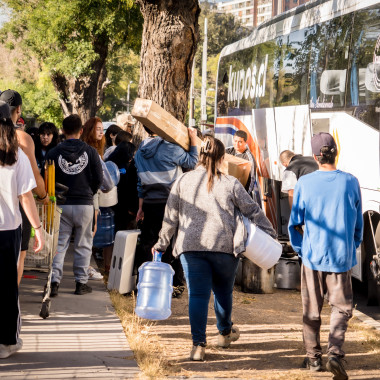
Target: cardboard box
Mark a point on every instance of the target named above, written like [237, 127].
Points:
[170, 129]
[161, 122]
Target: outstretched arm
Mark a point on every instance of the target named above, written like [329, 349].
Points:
[27, 145]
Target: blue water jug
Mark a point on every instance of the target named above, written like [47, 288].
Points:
[105, 232]
[155, 288]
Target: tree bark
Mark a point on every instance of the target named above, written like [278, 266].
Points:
[84, 95]
[169, 43]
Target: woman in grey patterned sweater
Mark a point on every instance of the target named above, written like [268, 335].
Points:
[202, 213]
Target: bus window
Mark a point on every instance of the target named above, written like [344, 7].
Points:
[246, 80]
[293, 62]
[329, 63]
[364, 75]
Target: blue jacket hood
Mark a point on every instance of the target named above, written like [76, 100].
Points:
[149, 146]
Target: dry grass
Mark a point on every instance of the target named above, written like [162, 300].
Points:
[270, 346]
[147, 349]
[366, 334]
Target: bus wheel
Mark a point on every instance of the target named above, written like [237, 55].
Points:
[369, 247]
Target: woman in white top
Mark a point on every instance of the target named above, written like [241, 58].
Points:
[17, 182]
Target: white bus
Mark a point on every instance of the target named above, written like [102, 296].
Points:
[315, 68]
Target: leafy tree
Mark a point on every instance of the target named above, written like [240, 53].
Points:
[123, 67]
[21, 72]
[72, 40]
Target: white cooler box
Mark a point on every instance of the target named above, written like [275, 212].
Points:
[121, 272]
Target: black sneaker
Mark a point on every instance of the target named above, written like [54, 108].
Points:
[335, 366]
[81, 289]
[315, 365]
[54, 289]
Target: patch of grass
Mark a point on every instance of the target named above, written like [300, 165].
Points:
[144, 343]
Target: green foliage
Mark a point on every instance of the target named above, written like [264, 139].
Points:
[67, 36]
[40, 101]
[123, 68]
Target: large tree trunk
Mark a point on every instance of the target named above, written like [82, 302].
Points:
[169, 43]
[84, 95]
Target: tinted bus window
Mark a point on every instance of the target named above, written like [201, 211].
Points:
[364, 75]
[246, 80]
[329, 63]
[293, 63]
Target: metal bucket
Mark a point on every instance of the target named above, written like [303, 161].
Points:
[288, 273]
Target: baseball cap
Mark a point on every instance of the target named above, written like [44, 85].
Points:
[321, 140]
[5, 113]
[12, 97]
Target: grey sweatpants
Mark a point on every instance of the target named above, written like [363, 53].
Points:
[80, 218]
[338, 287]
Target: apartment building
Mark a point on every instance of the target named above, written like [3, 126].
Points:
[279, 6]
[241, 9]
[252, 13]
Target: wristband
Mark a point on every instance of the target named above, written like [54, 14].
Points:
[37, 228]
[41, 199]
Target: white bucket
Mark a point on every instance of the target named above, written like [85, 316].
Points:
[261, 248]
[108, 199]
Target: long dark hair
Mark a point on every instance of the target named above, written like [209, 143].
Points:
[113, 129]
[212, 151]
[49, 128]
[8, 144]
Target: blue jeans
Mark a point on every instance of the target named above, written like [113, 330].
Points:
[80, 218]
[206, 271]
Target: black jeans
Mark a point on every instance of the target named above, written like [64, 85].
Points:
[10, 320]
[153, 217]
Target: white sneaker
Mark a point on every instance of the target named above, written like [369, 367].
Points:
[197, 353]
[225, 340]
[8, 350]
[93, 274]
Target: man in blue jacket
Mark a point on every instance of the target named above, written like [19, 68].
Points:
[159, 163]
[327, 203]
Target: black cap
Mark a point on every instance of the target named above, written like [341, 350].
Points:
[321, 140]
[5, 114]
[12, 97]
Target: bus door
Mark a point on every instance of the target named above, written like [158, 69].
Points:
[277, 129]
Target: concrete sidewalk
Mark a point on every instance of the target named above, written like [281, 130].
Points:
[82, 338]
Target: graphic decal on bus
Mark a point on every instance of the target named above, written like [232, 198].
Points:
[249, 83]
[229, 125]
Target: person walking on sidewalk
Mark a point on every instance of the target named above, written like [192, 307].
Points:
[78, 167]
[327, 203]
[17, 182]
[159, 163]
[26, 143]
[203, 212]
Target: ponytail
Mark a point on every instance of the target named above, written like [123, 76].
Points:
[212, 151]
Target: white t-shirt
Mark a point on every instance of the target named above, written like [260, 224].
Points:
[289, 180]
[15, 180]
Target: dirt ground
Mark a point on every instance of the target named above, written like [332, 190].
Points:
[270, 345]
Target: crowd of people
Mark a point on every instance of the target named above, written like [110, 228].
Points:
[189, 210]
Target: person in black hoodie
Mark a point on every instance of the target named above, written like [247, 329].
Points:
[128, 203]
[78, 167]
